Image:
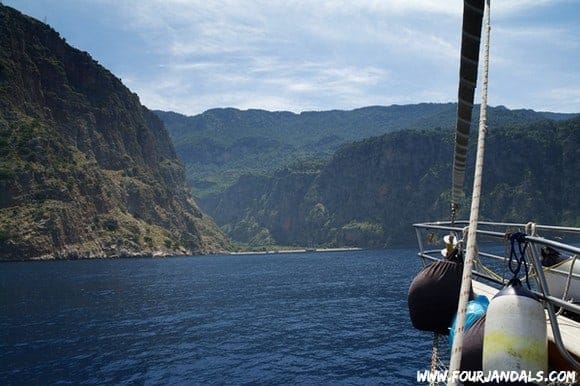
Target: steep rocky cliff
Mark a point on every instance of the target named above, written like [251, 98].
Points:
[365, 196]
[264, 210]
[85, 169]
[371, 191]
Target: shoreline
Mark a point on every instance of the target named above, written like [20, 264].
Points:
[161, 255]
[305, 250]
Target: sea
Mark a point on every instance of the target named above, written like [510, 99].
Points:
[320, 318]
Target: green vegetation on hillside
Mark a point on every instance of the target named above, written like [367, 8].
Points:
[371, 191]
[221, 145]
[85, 169]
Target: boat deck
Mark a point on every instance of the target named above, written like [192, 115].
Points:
[569, 329]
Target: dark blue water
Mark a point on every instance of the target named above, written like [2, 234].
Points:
[309, 318]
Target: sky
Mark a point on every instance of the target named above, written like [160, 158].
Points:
[189, 56]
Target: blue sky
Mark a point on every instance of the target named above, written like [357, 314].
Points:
[189, 56]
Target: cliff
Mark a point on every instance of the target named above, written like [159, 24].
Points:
[265, 210]
[371, 191]
[85, 169]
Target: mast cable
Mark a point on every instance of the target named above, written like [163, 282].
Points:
[457, 348]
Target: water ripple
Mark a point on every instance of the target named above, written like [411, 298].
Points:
[337, 318]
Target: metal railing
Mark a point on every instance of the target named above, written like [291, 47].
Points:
[491, 237]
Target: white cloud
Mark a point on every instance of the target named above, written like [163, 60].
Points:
[511, 7]
[286, 49]
[192, 55]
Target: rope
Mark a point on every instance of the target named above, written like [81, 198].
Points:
[520, 239]
[487, 270]
[434, 356]
[465, 291]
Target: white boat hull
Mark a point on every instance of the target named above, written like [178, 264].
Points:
[558, 277]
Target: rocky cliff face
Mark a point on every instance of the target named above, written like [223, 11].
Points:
[365, 196]
[371, 191]
[263, 210]
[85, 169]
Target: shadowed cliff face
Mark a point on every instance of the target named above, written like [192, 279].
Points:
[387, 183]
[366, 196]
[371, 192]
[85, 169]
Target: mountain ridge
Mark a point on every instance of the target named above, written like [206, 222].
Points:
[207, 142]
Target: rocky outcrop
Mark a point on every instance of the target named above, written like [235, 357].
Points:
[85, 169]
